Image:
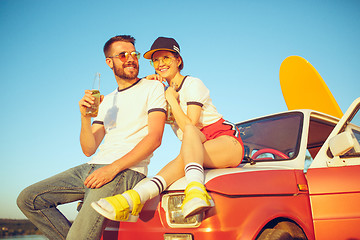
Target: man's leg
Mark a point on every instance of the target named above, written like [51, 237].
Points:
[88, 223]
[39, 201]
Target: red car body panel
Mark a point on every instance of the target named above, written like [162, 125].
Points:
[335, 200]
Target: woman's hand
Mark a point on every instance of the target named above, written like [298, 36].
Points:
[156, 77]
[171, 95]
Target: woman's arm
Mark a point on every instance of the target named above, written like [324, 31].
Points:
[193, 111]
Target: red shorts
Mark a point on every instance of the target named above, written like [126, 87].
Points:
[221, 128]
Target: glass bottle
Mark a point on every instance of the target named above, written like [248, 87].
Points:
[170, 119]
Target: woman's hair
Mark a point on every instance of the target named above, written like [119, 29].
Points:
[119, 38]
[182, 61]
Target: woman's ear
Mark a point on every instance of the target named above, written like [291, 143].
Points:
[179, 61]
[109, 62]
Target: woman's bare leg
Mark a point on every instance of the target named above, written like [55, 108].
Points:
[173, 171]
[222, 152]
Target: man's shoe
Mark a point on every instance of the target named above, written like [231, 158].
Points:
[117, 208]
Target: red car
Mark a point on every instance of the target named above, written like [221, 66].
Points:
[300, 179]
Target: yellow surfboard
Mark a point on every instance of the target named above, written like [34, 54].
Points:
[303, 87]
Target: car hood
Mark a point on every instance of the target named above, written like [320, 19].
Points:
[244, 181]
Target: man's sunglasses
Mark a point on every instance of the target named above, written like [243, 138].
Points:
[123, 56]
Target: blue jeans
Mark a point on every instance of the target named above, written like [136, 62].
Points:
[39, 201]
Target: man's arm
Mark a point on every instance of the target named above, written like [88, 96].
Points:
[90, 136]
[156, 123]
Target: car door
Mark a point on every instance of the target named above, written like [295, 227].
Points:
[334, 180]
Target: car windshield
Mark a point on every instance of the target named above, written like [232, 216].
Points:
[272, 138]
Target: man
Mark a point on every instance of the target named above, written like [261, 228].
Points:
[130, 125]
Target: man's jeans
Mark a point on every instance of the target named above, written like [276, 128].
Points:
[38, 202]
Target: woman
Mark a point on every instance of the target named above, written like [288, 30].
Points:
[207, 140]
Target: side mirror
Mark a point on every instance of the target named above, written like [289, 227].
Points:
[342, 143]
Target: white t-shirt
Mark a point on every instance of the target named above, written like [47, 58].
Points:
[193, 91]
[124, 115]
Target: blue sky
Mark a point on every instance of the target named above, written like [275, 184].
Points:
[50, 51]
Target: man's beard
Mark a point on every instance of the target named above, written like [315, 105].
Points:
[119, 71]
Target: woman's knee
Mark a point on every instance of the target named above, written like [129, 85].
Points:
[191, 133]
[189, 129]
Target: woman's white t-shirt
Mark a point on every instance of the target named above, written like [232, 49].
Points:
[193, 91]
